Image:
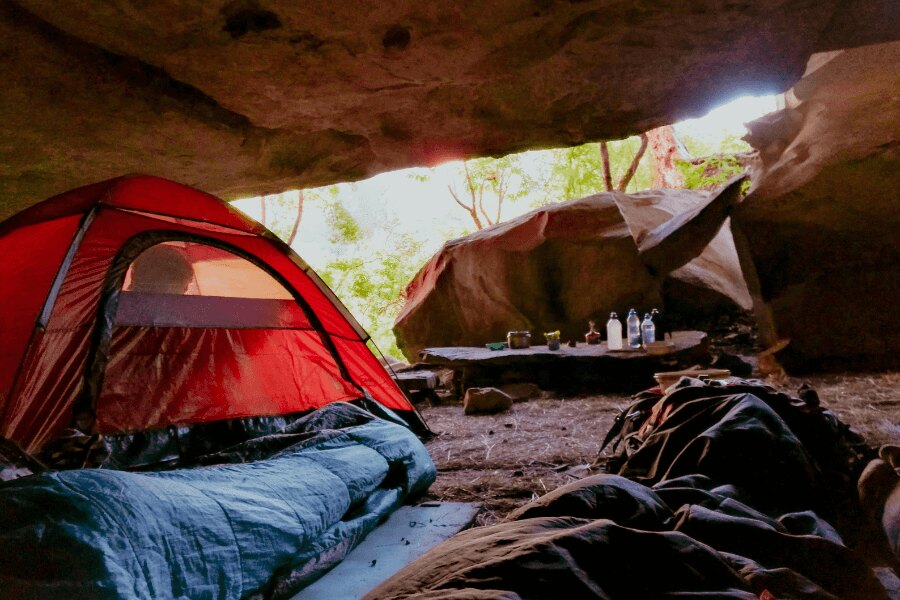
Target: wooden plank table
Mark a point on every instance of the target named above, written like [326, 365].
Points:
[585, 368]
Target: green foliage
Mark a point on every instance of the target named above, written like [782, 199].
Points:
[577, 172]
[372, 282]
[716, 165]
[730, 144]
[709, 172]
[346, 229]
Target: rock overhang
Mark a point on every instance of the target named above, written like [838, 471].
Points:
[257, 96]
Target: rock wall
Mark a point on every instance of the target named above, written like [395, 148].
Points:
[560, 266]
[245, 97]
[818, 233]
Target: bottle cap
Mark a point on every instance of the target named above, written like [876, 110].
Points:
[613, 315]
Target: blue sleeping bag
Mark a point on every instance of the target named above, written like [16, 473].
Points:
[262, 528]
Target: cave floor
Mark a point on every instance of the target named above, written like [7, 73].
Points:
[505, 460]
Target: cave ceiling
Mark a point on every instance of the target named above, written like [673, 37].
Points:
[258, 96]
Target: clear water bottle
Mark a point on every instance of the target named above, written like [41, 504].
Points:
[648, 330]
[614, 332]
[634, 329]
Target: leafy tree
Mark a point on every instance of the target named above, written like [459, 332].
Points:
[709, 172]
[579, 171]
[629, 172]
[373, 262]
[346, 229]
[715, 164]
[501, 178]
[730, 144]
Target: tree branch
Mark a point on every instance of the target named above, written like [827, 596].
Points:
[469, 182]
[632, 169]
[455, 197]
[481, 205]
[502, 185]
[469, 209]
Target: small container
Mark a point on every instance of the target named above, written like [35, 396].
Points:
[518, 339]
[648, 331]
[614, 332]
[634, 329]
[552, 340]
[592, 336]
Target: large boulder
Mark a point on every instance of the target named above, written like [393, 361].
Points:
[563, 264]
[818, 233]
[242, 97]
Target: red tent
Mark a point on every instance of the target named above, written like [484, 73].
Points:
[149, 303]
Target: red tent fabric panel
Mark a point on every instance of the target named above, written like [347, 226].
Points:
[163, 376]
[52, 374]
[153, 194]
[369, 373]
[136, 192]
[68, 204]
[30, 259]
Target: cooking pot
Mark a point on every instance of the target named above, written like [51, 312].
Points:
[518, 339]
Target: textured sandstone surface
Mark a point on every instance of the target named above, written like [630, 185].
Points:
[256, 96]
[818, 233]
[562, 265]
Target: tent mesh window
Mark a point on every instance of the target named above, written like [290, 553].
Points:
[187, 284]
[202, 334]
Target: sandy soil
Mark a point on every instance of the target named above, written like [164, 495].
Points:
[506, 460]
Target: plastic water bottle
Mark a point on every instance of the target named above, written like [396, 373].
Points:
[648, 330]
[634, 329]
[614, 332]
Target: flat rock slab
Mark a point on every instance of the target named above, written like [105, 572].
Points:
[584, 368]
[405, 536]
[416, 381]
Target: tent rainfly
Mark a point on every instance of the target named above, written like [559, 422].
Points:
[142, 303]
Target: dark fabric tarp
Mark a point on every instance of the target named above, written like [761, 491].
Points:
[732, 487]
[283, 509]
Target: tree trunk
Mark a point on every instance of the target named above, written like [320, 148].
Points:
[632, 168]
[297, 217]
[666, 149]
[607, 174]
[262, 210]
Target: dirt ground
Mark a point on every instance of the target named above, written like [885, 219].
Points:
[508, 459]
